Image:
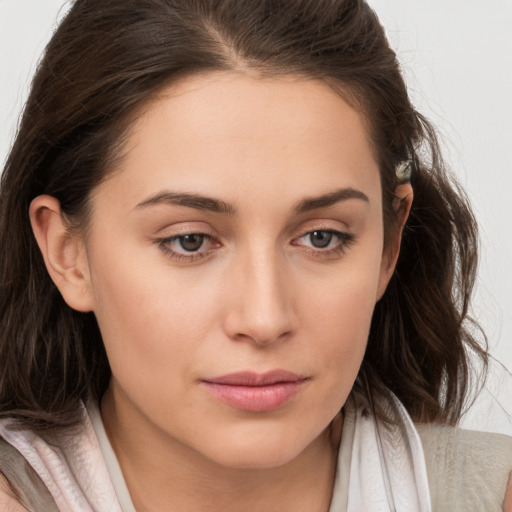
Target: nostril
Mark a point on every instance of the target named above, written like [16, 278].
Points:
[263, 336]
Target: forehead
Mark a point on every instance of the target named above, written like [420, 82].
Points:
[248, 137]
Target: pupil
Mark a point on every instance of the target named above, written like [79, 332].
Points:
[191, 242]
[321, 239]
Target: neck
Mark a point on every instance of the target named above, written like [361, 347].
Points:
[159, 471]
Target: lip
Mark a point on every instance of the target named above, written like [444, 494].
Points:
[256, 392]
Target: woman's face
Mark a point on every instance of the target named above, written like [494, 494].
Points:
[234, 263]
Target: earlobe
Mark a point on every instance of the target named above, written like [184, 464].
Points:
[63, 252]
[402, 203]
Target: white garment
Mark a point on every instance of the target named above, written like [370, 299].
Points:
[387, 470]
[380, 468]
[74, 470]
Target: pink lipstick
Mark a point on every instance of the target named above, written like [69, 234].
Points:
[255, 392]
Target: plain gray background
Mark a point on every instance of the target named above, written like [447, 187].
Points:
[456, 56]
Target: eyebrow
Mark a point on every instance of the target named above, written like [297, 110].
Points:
[200, 202]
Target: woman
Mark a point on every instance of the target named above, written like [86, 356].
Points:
[238, 274]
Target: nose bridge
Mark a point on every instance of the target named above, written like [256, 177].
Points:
[262, 309]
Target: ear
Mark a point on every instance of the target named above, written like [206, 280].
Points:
[402, 206]
[63, 252]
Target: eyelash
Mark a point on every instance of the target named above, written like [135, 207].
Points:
[346, 239]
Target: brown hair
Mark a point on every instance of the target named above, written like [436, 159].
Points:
[108, 59]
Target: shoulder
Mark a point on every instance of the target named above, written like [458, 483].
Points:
[467, 470]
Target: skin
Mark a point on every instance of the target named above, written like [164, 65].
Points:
[507, 504]
[8, 500]
[261, 296]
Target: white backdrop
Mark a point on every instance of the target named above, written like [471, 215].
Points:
[456, 55]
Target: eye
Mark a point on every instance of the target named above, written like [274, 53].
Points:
[320, 239]
[325, 242]
[187, 246]
[191, 243]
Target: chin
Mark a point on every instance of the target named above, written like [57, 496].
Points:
[255, 458]
[264, 449]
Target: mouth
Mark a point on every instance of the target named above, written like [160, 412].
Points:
[254, 392]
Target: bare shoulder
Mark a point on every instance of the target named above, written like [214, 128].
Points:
[8, 500]
[507, 505]
[467, 470]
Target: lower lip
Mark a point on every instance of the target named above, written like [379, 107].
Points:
[255, 398]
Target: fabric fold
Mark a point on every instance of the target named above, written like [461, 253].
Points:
[387, 470]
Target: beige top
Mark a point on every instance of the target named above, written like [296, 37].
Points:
[467, 470]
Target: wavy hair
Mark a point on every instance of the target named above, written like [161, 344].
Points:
[105, 62]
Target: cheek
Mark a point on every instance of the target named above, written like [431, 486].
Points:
[338, 315]
[149, 319]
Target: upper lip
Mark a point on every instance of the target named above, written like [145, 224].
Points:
[256, 379]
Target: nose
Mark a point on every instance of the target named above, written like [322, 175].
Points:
[261, 306]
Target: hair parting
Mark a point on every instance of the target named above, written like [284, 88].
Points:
[109, 59]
